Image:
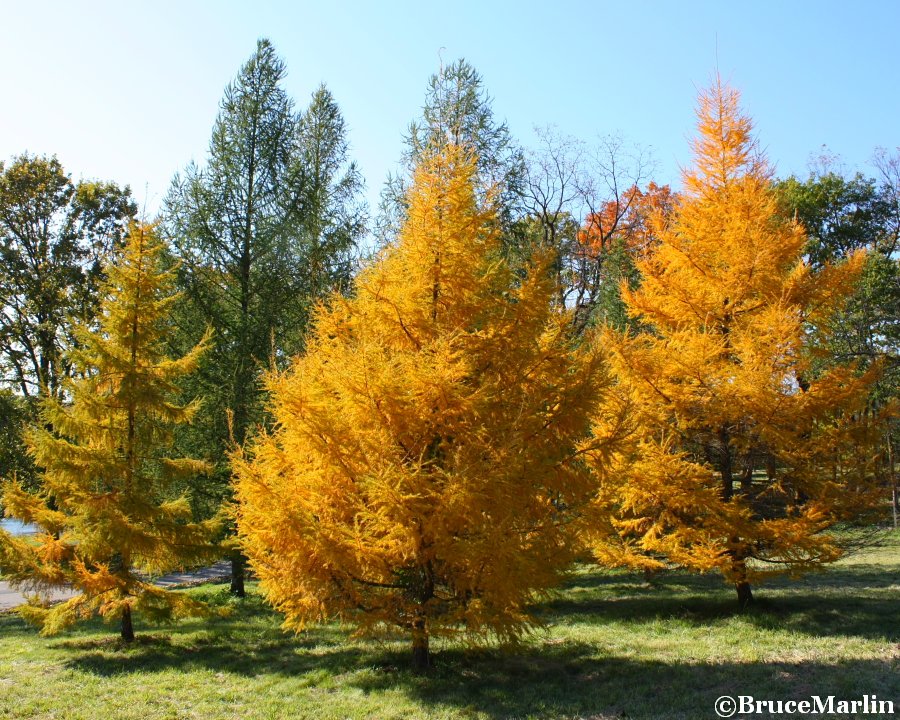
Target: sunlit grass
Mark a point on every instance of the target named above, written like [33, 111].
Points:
[613, 645]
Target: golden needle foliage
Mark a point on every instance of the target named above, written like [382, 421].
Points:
[423, 472]
[739, 455]
[105, 510]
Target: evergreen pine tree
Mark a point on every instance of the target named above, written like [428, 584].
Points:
[265, 228]
[457, 111]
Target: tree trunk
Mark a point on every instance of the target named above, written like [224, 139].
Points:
[771, 468]
[739, 569]
[895, 504]
[747, 479]
[237, 574]
[421, 660]
[127, 628]
[894, 494]
[744, 593]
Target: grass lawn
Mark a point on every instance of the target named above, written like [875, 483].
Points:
[613, 647]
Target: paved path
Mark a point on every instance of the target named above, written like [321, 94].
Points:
[10, 598]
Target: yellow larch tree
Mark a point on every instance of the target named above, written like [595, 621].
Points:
[424, 470]
[736, 454]
[106, 510]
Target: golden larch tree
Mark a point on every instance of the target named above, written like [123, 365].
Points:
[106, 511]
[424, 470]
[736, 454]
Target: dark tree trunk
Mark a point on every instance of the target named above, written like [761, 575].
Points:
[421, 660]
[237, 574]
[744, 593]
[895, 504]
[747, 480]
[127, 627]
[739, 570]
[895, 495]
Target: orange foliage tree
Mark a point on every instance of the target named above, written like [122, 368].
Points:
[424, 470]
[627, 220]
[607, 246]
[739, 457]
[106, 511]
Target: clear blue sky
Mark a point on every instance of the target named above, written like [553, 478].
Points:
[129, 91]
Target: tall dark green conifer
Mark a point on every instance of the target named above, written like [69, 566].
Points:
[333, 217]
[457, 111]
[262, 231]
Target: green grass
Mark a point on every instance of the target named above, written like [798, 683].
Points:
[614, 646]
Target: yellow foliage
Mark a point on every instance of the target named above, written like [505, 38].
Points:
[105, 507]
[423, 472]
[740, 454]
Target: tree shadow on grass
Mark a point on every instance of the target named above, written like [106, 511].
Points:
[571, 680]
[542, 680]
[846, 601]
[831, 579]
[12, 625]
[551, 678]
[284, 656]
[248, 641]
